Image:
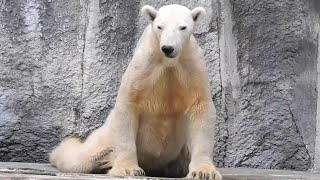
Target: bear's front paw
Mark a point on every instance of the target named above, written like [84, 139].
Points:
[204, 171]
[127, 171]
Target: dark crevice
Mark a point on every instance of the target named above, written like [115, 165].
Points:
[316, 163]
[287, 158]
[223, 98]
[318, 43]
[79, 118]
[295, 126]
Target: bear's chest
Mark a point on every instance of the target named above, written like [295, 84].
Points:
[166, 95]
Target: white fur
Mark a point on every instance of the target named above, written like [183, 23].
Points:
[149, 12]
[163, 112]
[171, 19]
[198, 13]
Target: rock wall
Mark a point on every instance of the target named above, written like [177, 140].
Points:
[61, 63]
[275, 113]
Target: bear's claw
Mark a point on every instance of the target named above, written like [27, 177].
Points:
[127, 171]
[135, 172]
[205, 172]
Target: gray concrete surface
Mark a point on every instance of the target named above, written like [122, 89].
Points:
[34, 171]
[61, 63]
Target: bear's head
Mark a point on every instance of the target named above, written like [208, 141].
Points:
[173, 26]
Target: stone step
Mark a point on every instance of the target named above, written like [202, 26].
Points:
[38, 171]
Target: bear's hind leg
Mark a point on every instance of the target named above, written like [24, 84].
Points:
[74, 156]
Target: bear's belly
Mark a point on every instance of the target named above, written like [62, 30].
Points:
[160, 139]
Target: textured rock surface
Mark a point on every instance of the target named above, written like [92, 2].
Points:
[274, 123]
[61, 63]
[40, 76]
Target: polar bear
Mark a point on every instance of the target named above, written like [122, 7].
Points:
[163, 120]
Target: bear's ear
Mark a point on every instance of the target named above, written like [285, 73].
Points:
[149, 12]
[198, 12]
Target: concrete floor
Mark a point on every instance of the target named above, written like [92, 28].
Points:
[35, 171]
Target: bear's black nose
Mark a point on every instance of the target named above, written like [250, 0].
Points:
[167, 49]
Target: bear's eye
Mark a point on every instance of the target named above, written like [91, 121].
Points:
[159, 27]
[183, 28]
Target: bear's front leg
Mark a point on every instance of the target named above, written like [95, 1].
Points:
[201, 121]
[124, 126]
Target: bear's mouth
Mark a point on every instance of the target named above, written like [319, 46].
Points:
[171, 56]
